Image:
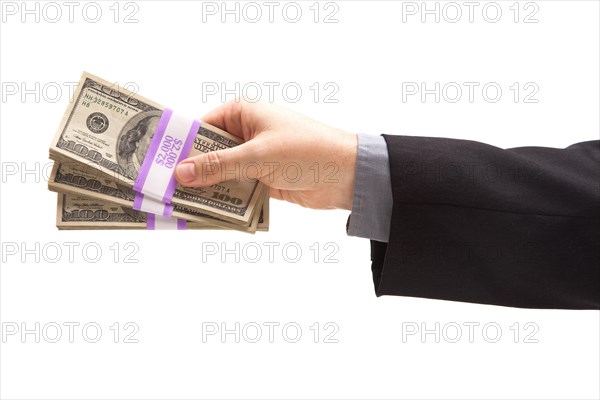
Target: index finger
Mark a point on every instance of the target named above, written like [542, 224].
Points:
[229, 117]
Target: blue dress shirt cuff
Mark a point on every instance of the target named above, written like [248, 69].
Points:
[372, 200]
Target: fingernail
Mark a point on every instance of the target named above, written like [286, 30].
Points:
[186, 172]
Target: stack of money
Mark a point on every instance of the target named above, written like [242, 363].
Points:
[98, 152]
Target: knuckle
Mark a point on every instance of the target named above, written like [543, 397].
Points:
[212, 159]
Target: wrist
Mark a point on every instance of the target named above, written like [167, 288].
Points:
[344, 187]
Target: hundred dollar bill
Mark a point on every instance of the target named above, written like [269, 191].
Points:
[80, 212]
[85, 181]
[110, 129]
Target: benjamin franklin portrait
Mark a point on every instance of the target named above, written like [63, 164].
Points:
[134, 140]
[132, 146]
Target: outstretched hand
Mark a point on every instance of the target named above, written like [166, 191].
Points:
[301, 160]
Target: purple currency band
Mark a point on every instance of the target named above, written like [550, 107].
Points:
[185, 151]
[151, 223]
[181, 224]
[155, 144]
[139, 198]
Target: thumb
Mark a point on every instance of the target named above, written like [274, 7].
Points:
[216, 166]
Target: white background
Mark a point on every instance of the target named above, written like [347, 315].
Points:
[170, 54]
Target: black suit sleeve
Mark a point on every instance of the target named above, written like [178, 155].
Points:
[475, 223]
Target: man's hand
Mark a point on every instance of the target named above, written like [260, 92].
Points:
[302, 161]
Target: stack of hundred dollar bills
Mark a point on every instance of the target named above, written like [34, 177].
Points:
[99, 149]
